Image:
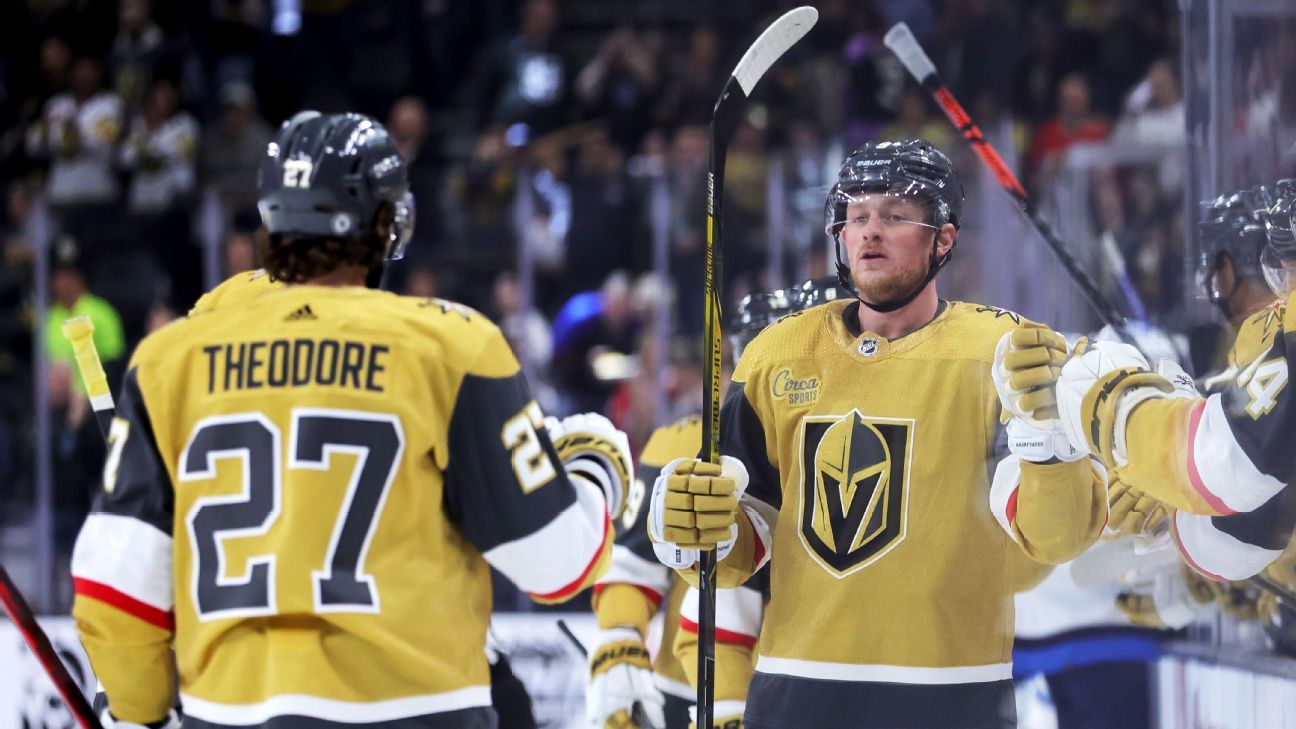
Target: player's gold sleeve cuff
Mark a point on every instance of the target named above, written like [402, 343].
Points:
[1156, 440]
[1061, 509]
[131, 658]
[739, 565]
[621, 604]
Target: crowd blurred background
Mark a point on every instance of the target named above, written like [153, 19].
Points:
[558, 152]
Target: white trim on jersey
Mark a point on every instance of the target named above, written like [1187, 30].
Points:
[1216, 554]
[130, 556]
[351, 712]
[1007, 478]
[629, 568]
[556, 555]
[884, 674]
[1227, 476]
[678, 689]
[738, 610]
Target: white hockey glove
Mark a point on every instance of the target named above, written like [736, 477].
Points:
[592, 448]
[1027, 363]
[1096, 393]
[622, 694]
[171, 721]
[694, 506]
[728, 714]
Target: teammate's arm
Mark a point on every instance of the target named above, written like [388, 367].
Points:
[121, 569]
[543, 524]
[1225, 454]
[1044, 492]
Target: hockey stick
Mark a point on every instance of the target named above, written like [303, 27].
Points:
[902, 42]
[79, 331]
[35, 638]
[637, 713]
[773, 43]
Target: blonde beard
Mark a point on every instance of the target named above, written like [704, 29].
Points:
[883, 290]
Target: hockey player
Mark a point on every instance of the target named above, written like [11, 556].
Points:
[860, 442]
[637, 587]
[1223, 460]
[306, 495]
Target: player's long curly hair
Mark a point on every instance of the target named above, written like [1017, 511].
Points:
[298, 259]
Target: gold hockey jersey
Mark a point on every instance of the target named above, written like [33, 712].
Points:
[891, 554]
[1226, 460]
[238, 288]
[307, 494]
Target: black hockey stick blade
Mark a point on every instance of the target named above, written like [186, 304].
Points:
[781, 35]
[39, 643]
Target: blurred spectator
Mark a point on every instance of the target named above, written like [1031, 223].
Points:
[525, 329]
[606, 216]
[77, 133]
[239, 253]
[135, 52]
[1075, 122]
[688, 170]
[421, 282]
[160, 153]
[232, 148]
[78, 452]
[621, 84]
[1154, 116]
[407, 122]
[913, 120]
[590, 326]
[746, 186]
[692, 81]
[1038, 67]
[523, 80]
[72, 298]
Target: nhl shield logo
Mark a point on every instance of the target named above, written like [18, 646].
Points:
[868, 346]
[854, 488]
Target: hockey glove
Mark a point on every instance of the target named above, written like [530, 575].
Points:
[622, 694]
[592, 448]
[728, 715]
[694, 506]
[1027, 363]
[1096, 393]
[1132, 513]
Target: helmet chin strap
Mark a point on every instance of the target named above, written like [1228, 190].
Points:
[934, 265]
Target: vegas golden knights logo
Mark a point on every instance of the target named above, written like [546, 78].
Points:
[854, 488]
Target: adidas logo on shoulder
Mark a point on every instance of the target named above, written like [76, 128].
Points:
[304, 313]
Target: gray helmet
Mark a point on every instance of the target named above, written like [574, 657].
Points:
[759, 310]
[1279, 254]
[909, 168]
[1234, 224]
[326, 175]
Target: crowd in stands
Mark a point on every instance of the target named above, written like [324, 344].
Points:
[130, 135]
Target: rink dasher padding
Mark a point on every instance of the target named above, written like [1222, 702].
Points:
[542, 658]
[1198, 686]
